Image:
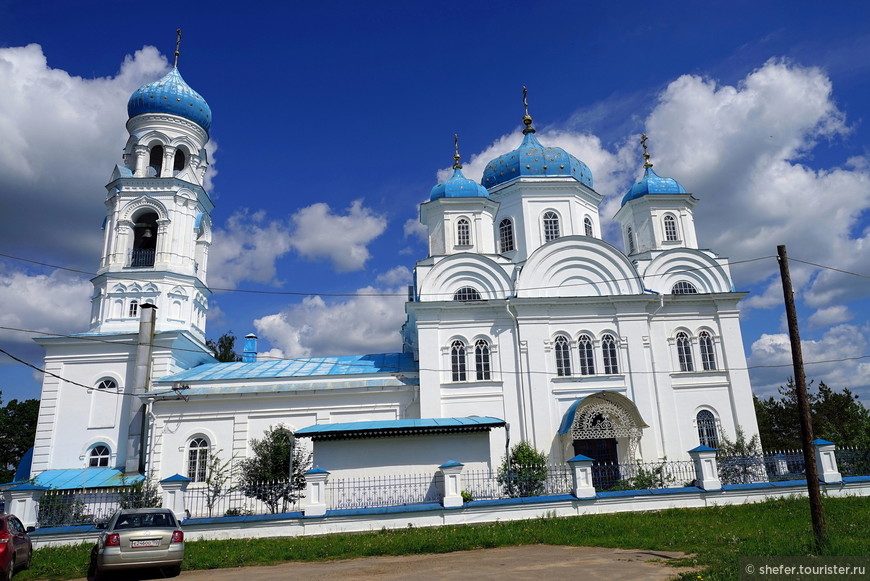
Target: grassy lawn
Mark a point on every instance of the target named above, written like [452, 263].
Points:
[715, 537]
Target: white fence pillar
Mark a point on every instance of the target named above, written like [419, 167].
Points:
[452, 496]
[706, 468]
[315, 492]
[23, 502]
[174, 489]
[581, 474]
[826, 462]
[781, 464]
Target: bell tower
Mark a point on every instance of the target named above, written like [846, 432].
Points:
[158, 224]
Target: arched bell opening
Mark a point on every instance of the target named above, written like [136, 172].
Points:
[144, 240]
[155, 161]
[179, 162]
[607, 427]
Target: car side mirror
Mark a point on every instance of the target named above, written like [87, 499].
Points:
[30, 529]
[100, 525]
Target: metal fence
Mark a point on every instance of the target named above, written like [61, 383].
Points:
[78, 507]
[384, 490]
[488, 484]
[265, 498]
[643, 475]
[853, 462]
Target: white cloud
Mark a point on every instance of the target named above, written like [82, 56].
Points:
[414, 228]
[398, 275]
[55, 303]
[246, 248]
[319, 233]
[361, 324]
[830, 316]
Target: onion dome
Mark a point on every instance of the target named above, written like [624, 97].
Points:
[458, 186]
[533, 159]
[172, 95]
[651, 182]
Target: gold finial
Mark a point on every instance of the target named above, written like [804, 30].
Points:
[646, 163]
[177, 46]
[456, 164]
[527, 119]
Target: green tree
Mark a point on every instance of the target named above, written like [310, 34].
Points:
[224, 348]
[269, 476]
[741, 460]
[217, 477]
[524, 471]
[17, 432]
[837, 416]
[142, 494]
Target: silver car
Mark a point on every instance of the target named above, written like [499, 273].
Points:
[136, 538]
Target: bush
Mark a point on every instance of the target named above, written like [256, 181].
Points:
[142, 494]
[523, 472]
[645, 478]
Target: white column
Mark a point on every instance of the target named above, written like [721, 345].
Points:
[706, 468]
[452, 472]
[826, 462]
[315, 492]
[581, 472]
[141, 152]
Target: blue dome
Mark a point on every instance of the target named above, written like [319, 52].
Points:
[533, 159]
[652, 183]
[170, 95]
[458, 186]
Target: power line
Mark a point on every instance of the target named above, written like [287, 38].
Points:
[829, 267]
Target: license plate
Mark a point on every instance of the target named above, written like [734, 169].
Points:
[145, 543]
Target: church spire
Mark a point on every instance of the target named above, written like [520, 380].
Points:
[456, 157]
[527, 119]
[177, 47]
[646, 162]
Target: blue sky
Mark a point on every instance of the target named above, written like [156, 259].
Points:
[333, 122]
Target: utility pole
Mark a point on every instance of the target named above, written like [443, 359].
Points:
[820, 528]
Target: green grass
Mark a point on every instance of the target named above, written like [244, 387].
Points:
[715, 537]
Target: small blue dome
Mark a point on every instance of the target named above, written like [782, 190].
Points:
[652, 183]
[533, 159]
[170, 95]
[458, 186]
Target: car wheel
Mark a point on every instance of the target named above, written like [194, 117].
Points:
[172, 571]
[27, 562]
[9, 570]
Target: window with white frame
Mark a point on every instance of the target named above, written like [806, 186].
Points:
[466, 293]
[197, 459]
[671, 228]
[107, 384]
[506, 235]
[684, 287]
[684, 352]
[587, 226]
[99, 457]
[481, 360]
[463, 232]
[611, 359]
[629, 236]
[551, 226]
[457, 361]
[708, 355]
[134, 308]
[708, 434]
[587, 355]
[563, 356]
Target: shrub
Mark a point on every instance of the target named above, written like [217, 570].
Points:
[523, 472]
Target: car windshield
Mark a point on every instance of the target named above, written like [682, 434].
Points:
[145, 520]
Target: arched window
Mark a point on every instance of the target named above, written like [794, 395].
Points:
[107, 384]
[587, 355]
[684, 287]
[708, 356]
[481, 360]
[463, 232]
[587, 226]
[466, 293]
[708, 434]
[99, 457]
[608, 349]
[197, 459]
[144, 240]
[155, 161]
[671, 229]
[179, 162]
[563, 357]
[551, 226]
[457, 361]
[629, 236]
[684, 352]
[506, 235]
[134, 309]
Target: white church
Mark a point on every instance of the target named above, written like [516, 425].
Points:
[523, 324]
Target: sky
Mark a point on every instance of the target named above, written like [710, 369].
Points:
[333, 121]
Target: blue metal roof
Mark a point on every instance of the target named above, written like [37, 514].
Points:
[533, 159]
[652, 183]
[406, 427]
[458, 186]
[86, 478]
[170, 94]
[379, 363]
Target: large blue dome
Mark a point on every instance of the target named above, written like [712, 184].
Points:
[458, 186]
[170, 95]
[533, 159]
[652, 183]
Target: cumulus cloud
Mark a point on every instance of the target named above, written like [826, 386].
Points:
[830, 316]
[341, 238]
[358, 325]
[246, 248]
[53, 303]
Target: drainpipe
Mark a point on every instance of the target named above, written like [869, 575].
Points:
[520, 372]
[137, 431]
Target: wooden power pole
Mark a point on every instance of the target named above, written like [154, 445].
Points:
[820, 528]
